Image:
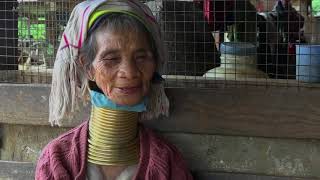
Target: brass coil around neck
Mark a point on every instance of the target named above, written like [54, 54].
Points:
[113, 138]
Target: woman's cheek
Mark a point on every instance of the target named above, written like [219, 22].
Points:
[106, 91]
[104, 83]
[106, 86]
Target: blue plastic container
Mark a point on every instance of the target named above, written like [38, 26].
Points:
[238, 48]
[308, 63]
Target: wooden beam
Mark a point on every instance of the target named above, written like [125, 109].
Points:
[287, 112]
[27, 104]
[203, 153]
[234, 176]
[245, 111]
[25, 171]
[26, 77]
[16, 170]
[263, 156]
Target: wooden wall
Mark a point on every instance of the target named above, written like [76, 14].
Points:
[247, 132]
[230, 131]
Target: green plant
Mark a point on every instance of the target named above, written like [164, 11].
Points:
[34, 33]
[316, 7]
[27, 31]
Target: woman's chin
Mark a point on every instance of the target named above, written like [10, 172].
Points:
[127, 98]
[128, 101]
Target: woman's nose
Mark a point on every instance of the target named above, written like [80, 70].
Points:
[128, 69]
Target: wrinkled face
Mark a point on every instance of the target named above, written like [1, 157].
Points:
[123, 66]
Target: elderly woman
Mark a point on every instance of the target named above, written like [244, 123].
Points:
[113, 50]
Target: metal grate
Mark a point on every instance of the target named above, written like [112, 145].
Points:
[260, 42]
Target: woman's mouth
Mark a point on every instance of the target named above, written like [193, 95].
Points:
[130, 90]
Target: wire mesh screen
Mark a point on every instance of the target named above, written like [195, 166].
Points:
[30, 34]
[262, 42]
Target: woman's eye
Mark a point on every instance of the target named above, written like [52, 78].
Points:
[111, 59]
[142, 58]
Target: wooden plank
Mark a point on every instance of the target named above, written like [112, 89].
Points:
[28, 104]
[241, 110]
[263, 156]
[203, 153]
[245, 111]
[21, 143]
[25, 77]
[16, 170]
[218, 82]
[234, 176]
[25, 171]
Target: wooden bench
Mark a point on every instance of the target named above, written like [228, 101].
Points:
[16, 170]
[25, 171]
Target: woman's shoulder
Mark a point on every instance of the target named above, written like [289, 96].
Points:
[166, 157]
[60, 150]
[157, 142]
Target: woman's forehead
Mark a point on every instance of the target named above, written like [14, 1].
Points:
[125, 40]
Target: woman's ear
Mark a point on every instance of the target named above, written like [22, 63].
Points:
[87, 68]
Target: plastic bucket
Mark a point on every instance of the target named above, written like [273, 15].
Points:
[308, 63]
